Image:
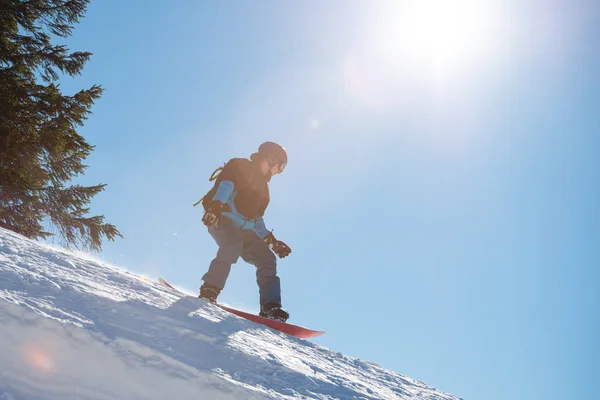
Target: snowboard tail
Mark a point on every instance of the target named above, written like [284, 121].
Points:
[290, 329]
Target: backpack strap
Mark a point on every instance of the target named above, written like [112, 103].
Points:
[212, 177]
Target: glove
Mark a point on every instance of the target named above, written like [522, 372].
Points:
[278, 247]
[212, 214]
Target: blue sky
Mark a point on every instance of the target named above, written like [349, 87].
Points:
[442, 192]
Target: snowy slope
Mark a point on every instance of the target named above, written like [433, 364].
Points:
[75, 328]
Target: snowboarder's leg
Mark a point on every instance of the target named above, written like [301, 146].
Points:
[230, 240]
[257, 253]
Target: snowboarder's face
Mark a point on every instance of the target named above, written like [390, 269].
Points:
[271, 170]
[277, 169]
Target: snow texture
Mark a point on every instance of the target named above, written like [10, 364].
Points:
[77, 328]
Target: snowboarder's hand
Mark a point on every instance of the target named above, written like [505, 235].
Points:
[278, 247]
[212, 214]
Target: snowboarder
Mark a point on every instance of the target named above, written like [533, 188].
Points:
[233, 213]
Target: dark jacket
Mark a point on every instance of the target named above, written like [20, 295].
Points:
[243, 187]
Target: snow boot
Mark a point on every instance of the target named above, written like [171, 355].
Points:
[273, 311]
[209, 292]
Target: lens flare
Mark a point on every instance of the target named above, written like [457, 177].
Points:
[39, 358]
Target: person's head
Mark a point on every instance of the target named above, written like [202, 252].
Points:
[272, 158]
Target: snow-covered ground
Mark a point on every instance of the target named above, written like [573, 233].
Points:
[75, 328]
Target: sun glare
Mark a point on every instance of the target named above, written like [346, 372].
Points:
[442, 36]
[444, 32]
[413, 47]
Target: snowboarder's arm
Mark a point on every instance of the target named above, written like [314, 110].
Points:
[232, 175]
[223, 191]
[260, 228]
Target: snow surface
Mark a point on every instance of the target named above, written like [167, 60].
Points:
[76, 328]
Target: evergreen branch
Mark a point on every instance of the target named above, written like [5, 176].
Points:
[40, 149]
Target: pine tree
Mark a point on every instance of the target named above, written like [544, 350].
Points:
[40, 150]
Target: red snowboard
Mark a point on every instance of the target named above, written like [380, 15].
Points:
[293, 330]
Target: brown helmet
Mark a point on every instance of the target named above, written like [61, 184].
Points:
[274, 153]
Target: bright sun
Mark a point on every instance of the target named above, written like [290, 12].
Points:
[443, 35]
[414, 47]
